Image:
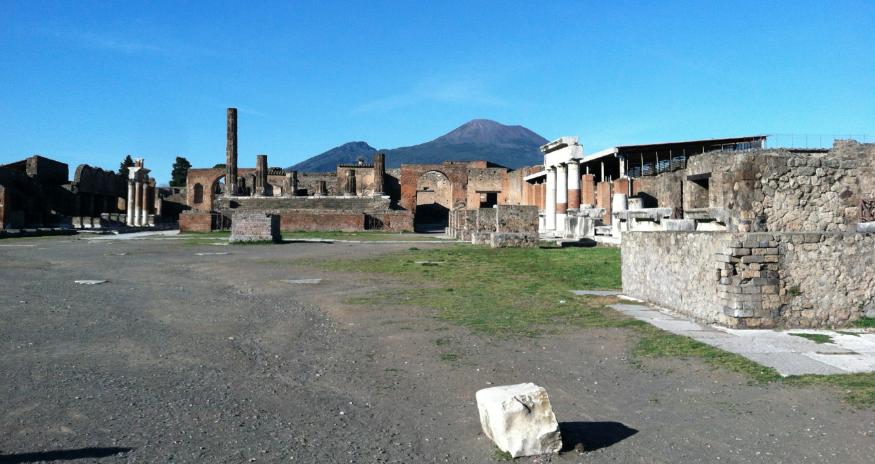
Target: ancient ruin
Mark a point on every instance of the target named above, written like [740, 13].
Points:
[35, 193]
[355, 197]
[734, 235]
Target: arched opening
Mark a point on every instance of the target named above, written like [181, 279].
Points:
[219, 186]
[434, 199]
[198, 194]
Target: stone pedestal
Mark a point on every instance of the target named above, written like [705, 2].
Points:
[255, 227]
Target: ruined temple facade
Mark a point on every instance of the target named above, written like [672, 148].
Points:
[356, 196]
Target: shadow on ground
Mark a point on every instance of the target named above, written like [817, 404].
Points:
[61, 455]
[591, 436]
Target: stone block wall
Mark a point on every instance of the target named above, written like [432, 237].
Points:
[500, 226]
[674, 270]
[754, 280]
[255, 227]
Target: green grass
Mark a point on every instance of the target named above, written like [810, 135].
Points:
[500, 455]
[525, 292]
[816, 338]
[865, 322]
[511, 291]
[655, 342]
[362, 236]
[858, 389]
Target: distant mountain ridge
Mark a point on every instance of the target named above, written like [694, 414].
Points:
[479, 139]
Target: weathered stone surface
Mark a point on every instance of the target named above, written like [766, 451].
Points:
[255, 227]
[519, 419]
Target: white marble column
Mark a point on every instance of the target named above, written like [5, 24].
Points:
[561, 198]
[550, 202]
[130, 208]
[144, 205]
[138, 198]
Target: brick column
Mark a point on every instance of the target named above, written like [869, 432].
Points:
[379, 172]
[573, 185]
[561, 197]
[588, 190]
[231, 154]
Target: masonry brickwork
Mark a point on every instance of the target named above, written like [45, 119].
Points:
[255, 227]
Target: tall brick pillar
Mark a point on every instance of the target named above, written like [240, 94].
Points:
[350, 183]
[379, 172]
[587, 190]
[573, 185]
[231, 154]
[260, 174]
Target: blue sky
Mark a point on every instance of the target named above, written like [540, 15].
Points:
[88, 82]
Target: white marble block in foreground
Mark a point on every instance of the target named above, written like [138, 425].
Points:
[519, 419]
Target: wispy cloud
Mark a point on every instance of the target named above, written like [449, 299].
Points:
[458, 91]
[113, 44]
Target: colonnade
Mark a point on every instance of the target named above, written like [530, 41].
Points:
[563, 194]
[138, 194]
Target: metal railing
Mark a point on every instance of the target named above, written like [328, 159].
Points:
[812, 140]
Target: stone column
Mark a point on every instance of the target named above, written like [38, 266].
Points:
[294, 182]
[379, 172]
[561, 197]
[129, 209]
[350, 183]
[573, 185]
[260, 174]
[550, 201]
[145, 204]
[321, 188]
[138, 198]
[231, 154]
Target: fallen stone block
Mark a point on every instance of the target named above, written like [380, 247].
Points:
[519, 419]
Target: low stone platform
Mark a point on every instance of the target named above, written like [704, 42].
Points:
[255, 227]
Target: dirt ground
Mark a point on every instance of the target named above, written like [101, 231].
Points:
[215, 358]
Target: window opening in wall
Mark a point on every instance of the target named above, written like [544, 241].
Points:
[198, 193]
[488, 199]
[698, 190]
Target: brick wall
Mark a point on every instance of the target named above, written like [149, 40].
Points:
[195, 221]
[321, 221]
[754, 280]
[255, 227]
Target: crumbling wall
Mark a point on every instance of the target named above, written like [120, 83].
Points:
[754, 280]
[309, 180]
[485, 180]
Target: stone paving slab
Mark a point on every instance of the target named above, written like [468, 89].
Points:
[596, 292]
[781, 350]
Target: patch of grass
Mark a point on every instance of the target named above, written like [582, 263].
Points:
[363, 236]
[858, 389]
[816, 338]
[865, 322]
[655, 342]
[443, 341]
[449, 357]
[844, 332]
[500, 455]
[794, 291]
[510, 291]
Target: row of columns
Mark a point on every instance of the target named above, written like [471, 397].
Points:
[563, 194]
[138, 195]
